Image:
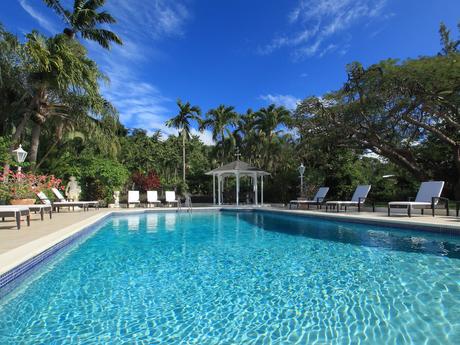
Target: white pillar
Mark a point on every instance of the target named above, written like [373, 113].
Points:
[255, 190]
[237, 188]
[262, 190]
[218, 189]
[214, 189]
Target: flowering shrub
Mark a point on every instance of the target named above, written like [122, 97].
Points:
[146, 182]
[25, 186]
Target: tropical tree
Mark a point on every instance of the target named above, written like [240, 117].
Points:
[85, 19]
[397, 110]
[182, 122]
[220, 121]
[268, 124]
[56, 68]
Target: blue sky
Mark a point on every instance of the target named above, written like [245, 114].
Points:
[245, 53]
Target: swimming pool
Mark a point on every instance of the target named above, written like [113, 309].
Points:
[241, 278]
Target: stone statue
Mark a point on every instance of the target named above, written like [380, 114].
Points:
[116, 197]
[73, 190]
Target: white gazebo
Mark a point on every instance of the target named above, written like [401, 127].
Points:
[237, 169]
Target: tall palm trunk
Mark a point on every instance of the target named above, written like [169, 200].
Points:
[183, 155]
[34, 143]
[39, 117]
[223, 148]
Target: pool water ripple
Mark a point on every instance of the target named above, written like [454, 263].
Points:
[250, 278]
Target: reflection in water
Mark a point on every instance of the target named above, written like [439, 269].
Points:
[152, 222]
[170, 221]
[133, 223]
[358, 234]
[116, 223]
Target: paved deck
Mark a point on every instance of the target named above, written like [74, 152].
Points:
[16, 246]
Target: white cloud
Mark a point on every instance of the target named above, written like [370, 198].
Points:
[205, 136]
[149, 20]
[40, 18]
[141, 25]
[288, 101]
[314, 23]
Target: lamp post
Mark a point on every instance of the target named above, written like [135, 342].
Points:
[301, 172]
[20, 156]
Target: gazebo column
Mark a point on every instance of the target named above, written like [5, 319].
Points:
[219, 178]
[255, 190]
[237, 188]
[262, 190]
[214, 189]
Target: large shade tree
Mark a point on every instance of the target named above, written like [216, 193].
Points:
[396, 109]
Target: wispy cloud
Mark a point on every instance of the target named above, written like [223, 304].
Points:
[142, 26]
[313, 24]
[44, 22]
[288, 101]
[158, 19]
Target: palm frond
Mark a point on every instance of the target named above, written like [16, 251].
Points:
[101, 36]
[56, 6]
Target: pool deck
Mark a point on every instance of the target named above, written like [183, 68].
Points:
[17, 246]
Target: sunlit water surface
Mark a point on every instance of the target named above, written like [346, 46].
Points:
[247, 278]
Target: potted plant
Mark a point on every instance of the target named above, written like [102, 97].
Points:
[21, 189]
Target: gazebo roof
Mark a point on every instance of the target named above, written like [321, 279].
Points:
[237, 167]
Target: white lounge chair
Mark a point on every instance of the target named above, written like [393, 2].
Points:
[58, 204]
[61, 198]
[358, 199]
[36, 208]
[317, 200]
[428, 196]
[171, 198]
[133, 198]
[152, 197]
[15, 212]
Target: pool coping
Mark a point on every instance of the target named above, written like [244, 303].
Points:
[15, 264]
[404, 223]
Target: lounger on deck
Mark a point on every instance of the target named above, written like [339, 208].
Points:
[133, 197]
[58, 204]
[428, 196]
[152, 197]
[317, 200]
[357, 200]
[61, 198]
[171, 198]
[15, 212]
[42, 209]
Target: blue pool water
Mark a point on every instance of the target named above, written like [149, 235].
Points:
[247, 278]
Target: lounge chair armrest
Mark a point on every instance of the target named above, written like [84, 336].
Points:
[362, 200]
[436, 199]
[320, 200]
[441, 198]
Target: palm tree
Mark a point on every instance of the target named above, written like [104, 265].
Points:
[267, 124]
[84, 20]
[56, 67]
[219, 120]
[269, 119]
[181, 122]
